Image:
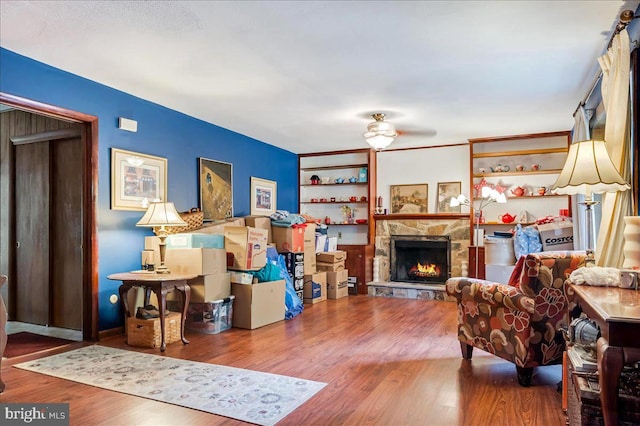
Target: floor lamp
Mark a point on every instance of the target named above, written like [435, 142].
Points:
[589, 170]
[489, 195]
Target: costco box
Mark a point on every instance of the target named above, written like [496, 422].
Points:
[260, 222]
[338, 266]
[556, 236]
[248, 246]
[196, 261]
[210, 317]
[332, 256]
[352, 284]
[195, 241]
[257, 305]
[337, 285]
[288, 239]
[315, 287]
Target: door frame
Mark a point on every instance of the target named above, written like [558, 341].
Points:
[90, 196]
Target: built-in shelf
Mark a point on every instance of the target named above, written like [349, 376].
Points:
[348, 224]
[515, 153]
[516, 173]
[334, 202]
[335, 184]
[343, 166]
[530, 196]
[421, 216]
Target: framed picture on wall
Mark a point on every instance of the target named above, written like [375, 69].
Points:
[263, 196]
[409, 198]
[447, 190]
[136, 179]
[216, 189]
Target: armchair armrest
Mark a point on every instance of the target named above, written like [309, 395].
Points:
[473, 290]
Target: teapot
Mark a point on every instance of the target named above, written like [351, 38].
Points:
[507, 218]
[518, 191]
[340, 180]
[542, 190]
[353, 179]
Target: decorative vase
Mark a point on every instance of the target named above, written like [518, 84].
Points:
[631, 247]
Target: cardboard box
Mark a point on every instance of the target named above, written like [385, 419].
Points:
[196, 261]
[208, 288]
[248, 246]
[260, 222]
[338, 266]
[337, 284]
[288, 239]
[257, 305]
[295, 264]
[352, 284]
[332, 256]
[211, 317]
[153, 244]
[315, 287]
[241, 277]
[310, 249]
[556, 236]
[218, 226]
[195, 241]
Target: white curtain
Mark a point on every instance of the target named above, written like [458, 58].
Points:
[615, 95]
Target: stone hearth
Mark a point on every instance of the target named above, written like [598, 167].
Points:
[454, 225]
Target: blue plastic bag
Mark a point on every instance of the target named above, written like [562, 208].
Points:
[526, 240]
[293, 304]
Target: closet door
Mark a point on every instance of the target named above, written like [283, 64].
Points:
[32, 185]
[66, 233]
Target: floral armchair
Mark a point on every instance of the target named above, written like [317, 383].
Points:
[519, 321]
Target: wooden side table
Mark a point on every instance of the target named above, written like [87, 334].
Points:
[616, 311]
[160, 284]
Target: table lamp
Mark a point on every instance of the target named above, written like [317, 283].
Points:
[160, 214]
[589, 170]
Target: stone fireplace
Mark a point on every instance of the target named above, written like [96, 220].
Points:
[420, 258]
[451, 229]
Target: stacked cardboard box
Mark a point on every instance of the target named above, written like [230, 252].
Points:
[315, 287]
[295, 267]
[247, 247]
[333, 263]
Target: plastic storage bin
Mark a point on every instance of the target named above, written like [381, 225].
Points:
[210, 317]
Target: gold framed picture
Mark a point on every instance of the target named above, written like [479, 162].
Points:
[216, 189]
[136, 179]
[409, 198]
[446, 191]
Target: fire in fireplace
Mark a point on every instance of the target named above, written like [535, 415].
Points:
[420, 258]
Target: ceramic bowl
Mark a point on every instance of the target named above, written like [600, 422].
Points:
[361, 221]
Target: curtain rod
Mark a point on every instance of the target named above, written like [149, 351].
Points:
[625, 19]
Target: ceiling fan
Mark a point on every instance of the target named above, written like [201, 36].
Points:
[381, 133]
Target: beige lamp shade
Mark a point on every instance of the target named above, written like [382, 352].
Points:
[161, 214]
[589, 170]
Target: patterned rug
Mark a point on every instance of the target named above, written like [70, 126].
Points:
[250, 396]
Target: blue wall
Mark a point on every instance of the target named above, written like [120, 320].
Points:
[162, 132]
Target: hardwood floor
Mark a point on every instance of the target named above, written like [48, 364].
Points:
[386, 362]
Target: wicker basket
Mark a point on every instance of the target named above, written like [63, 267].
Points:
[194, 219]
[147, 334]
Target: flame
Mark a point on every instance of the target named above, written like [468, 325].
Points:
[427, 270]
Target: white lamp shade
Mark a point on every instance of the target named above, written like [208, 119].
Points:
[161, 214]
[589, 169]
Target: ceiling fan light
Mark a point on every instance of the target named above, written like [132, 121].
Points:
[379, 142]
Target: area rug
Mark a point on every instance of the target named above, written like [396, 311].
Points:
[24, 342]
[250, 396]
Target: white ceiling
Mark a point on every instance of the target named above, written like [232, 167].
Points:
[303, 75]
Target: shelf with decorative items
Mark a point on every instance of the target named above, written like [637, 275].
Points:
[523, 168]
[338, 189]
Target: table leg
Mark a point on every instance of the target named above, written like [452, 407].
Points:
[185, 292]
[161, 294]
[123, 290]
[610, 364]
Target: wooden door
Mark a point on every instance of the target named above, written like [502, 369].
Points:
[66, 233]
[32, 232]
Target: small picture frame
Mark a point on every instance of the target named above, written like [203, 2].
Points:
[136, 180]
[263, 197]
[215, 180]
[446, 191]
[409, 198]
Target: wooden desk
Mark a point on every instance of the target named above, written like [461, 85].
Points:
[617, 312]
[160, 284]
